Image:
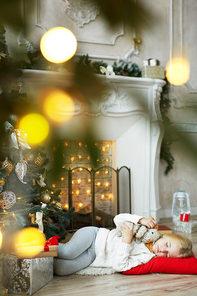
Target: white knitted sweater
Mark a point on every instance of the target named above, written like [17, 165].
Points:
[112, 252]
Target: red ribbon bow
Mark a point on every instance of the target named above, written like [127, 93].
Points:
[52, 241]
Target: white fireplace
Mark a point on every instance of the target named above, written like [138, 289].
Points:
[127, 114]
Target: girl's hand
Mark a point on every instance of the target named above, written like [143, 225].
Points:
[127, 233]
[148, 222]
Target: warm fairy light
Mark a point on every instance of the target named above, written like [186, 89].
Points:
[98, 184]
[80, 204]
[29, 242]
[57, 104]
[103, 149]
[89, 169]
[102, 196]
[79, 157]
[178, 71]
[62, 178]
[65, 144]
[107, 145]
[73, 171]
[53, 185]
[66, 206]
[58, 45]
[80, 169]
[77, 192]
[98, 160]
[80, 144]
[89, 180]
[106, 172]
[110, 196]
[79, 181]
[97, 173]
[107, 160]
[88, 157]
[72, 158]
[63, 167]
[73, 182]
[36, 128]
[106, 184]
[52, 192]
[88, 191]
[1, 239]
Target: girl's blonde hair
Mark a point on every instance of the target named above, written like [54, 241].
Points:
[184, 243]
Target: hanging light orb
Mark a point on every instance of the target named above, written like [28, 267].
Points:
[29, 242]
[178, 71]
[58, 45]
[57, 105]
[35, 126]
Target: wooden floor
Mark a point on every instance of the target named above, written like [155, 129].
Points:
[122, 285]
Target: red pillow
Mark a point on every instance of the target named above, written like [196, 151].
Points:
[166, 265]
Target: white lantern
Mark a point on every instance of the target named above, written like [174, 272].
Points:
[181, 202]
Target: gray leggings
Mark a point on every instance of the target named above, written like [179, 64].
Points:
[76, 254]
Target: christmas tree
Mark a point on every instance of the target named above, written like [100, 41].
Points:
[25, 198]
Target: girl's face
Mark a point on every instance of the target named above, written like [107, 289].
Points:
[166, 247]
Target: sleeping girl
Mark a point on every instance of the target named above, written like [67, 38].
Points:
[101, 247]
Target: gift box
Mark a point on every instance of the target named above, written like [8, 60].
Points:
[155, 72]
[185, 216]
[187, 227]
[26, 276]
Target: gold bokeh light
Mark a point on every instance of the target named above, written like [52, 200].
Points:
[178, 71]
[36, 128]
[57, 105]
[58, 45]
[29, 242]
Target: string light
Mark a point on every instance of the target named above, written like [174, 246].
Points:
[80, 204]
[73, 182]
[53, 185]
[88, 157]
[107, 145]
[88, 191]
[107, 159]
[106, 184]
[62, 178]
[66, 206]
[73, 171]
[103, 149]
[80, 144]
[63, 167]
[89, 180]
[98, 184]
[80, 169]
[97, 173]
[79, 181]
[102, 196]
[65, 144]
[72, 158]
[79, 157]
[77, 192]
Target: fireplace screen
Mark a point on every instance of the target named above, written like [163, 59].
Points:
[93, 192]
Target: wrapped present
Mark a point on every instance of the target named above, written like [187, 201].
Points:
[26, 276]
[185, 216]
[49, 250]
[187, 227]
[155, 72]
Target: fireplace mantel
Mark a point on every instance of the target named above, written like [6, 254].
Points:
[128, 113]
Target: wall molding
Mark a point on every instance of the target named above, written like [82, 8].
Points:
[112, 41]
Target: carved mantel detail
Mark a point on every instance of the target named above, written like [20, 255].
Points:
[82, 11]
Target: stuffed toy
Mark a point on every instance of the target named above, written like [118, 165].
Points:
[142, 234]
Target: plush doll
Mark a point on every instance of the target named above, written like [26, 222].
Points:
[142, 234]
